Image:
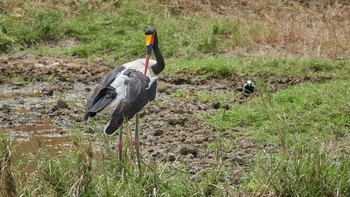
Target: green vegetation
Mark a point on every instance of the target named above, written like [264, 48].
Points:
[78, 173]
[112, 29]
[308, 126]
[7, 181]
[264, 67]
[107, 30]
[306, 122]
[300, 110]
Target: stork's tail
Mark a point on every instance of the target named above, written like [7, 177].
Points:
[108, 95]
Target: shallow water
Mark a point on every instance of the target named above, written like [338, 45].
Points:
[31, 119]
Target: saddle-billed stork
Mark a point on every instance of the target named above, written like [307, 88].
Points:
[127, 89]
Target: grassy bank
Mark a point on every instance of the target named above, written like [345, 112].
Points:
[113, 29]
[310, 132]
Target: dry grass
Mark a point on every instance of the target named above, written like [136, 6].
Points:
[278, 28]
[70, 7]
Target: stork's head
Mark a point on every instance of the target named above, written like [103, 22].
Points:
[150, 37]
[150, 31]
[150, 40]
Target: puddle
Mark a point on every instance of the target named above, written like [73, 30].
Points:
[31, 144]
[29, 139]
[27, 115]
[36, 127]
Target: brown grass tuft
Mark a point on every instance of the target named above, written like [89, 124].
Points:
[278, 28]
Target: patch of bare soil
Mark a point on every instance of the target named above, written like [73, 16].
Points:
[172, 129]
[50, 69]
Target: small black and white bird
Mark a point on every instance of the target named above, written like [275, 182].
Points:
[248, 88]
[127, 89]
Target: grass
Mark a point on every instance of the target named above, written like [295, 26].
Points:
[300, 111]
[7, 181]
[113, 29]
[79, 173]
[301, 131]
[303, 172]
[259, 67]
[309, 130]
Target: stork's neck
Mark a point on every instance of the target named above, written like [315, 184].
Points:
[160, 65]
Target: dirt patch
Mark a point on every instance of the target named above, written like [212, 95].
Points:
[50, 69]
[289, 81]
[40, 112]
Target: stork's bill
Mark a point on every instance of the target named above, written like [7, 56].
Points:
[149, 44]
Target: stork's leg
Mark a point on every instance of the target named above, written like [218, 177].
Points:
[137, 142]
[120, 144]
[130, 142]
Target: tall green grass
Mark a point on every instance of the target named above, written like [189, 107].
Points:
[117, 32]
[113, 31]
[305, 171]
[309, 126]
[94, 170]
[308, 110]
[7, 181]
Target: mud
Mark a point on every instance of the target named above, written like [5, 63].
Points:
[41, 98]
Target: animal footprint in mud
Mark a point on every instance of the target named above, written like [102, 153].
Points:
[158, 132]
[185, 151]
[178, 121]
[59, 105]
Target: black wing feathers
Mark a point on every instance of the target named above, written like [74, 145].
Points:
[138, 94]
[105, 96]
[103, 93]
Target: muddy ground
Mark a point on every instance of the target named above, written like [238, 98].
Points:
[43, 98]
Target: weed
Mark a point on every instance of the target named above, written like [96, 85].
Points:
[71, 174]
[17, 80]
[5, 42]
[306, 164]
[7, 180]
[305, 172]
[266, 100]
[6, 107]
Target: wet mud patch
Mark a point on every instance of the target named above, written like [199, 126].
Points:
[50, 70]
[36, 121]
[40, 109]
